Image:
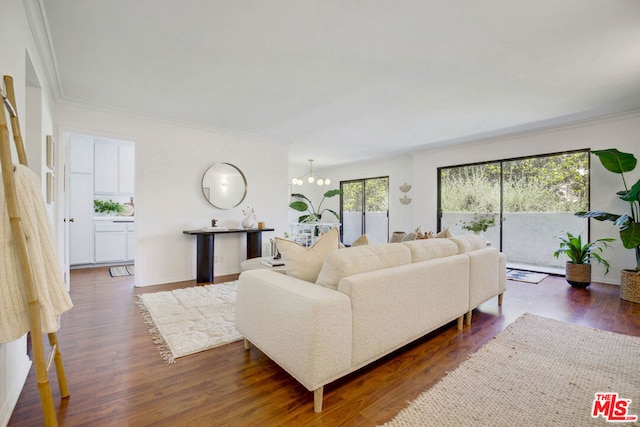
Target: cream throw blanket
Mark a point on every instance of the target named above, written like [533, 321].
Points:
[52, 294]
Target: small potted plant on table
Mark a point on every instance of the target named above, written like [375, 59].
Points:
[578, 268]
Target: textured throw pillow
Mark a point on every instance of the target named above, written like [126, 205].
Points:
[305, 263]
[444, 234]
[361, 241]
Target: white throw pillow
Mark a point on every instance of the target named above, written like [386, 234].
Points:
[305, 263]
[361, 241]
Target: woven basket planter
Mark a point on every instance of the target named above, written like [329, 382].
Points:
[578, 275]
[630, 285]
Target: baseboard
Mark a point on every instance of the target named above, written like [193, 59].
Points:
[14, 393]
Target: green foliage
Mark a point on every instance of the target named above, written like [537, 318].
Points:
[307, 206]
[579, 253]
[557, 183]
[377, 195]
[618, 162]
[102, 206]
[480, 222]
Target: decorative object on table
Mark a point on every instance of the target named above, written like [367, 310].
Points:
[397, 236]
[249, 217]
[405, 188]
[310, 177]
[405, 200]
[190, 320]
[578, 268]
[481, 391]
[313, 215]
[224, 186]
[479, 223]
[261, 225]
[618, 162]
[108, 207]
[214, 222]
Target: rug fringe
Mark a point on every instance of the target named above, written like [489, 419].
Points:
[163, 347]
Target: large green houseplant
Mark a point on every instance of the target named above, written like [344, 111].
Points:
[578, 268]
[305, 205]
[618, 162]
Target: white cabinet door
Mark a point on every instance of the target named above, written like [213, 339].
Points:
[111, 242]
[131, 242]
[80, 154]
[80, 218]
[126, 160]
[105, 169]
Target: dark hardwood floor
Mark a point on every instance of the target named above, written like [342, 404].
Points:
[117, 378]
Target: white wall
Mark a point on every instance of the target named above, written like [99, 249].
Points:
[621, 132]
[170, 161]
[16, 42]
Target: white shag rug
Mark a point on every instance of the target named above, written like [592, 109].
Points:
[538, 372]
[190, 320]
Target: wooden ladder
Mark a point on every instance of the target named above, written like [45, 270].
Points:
[41, 364]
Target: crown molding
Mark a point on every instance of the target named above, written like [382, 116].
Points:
[37, 19]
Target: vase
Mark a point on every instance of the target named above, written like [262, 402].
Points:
[578, 275]
[630, 286]
[247, 222]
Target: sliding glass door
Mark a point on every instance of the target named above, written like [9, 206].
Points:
[525, 203]
[364, 209]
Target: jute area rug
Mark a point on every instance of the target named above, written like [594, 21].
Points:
[190, 320]
[538, 372]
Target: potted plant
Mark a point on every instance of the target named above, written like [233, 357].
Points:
[107, 207]
[480, 223]
[305, 205]
[578, 268]
[618, 162]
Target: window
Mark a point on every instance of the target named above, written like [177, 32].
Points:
[532, 200]
[364, 209]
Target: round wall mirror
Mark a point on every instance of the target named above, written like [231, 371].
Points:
[224, 186]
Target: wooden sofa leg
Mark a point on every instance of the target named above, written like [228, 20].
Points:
[317, 399]
[247, 344]
[460, 321]
[467, 317]
[500, 296]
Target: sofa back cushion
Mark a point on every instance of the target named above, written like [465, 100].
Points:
[469, 242]
[424, 250]
[305, 263]
[361, 259]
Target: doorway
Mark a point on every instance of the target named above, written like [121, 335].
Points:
[364, 209]
[527, 202]
[100, 170]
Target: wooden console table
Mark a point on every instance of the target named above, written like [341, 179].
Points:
[204, 260]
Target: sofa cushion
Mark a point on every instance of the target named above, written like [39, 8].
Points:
[361, 259]
[469, 242]
[444, 234]
[426, 249]
[305, 263]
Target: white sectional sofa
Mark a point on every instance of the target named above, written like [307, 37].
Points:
[366, 302]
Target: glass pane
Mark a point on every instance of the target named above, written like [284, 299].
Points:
[352, 193]
[541, 195]
[470, 200]
[376, 210]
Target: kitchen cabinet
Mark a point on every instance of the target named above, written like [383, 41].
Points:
[114, 241]
[113, 167]
[80, 218]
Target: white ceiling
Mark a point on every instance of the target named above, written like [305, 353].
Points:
[345, 80]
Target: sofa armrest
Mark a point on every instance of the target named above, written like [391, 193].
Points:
[303, 327]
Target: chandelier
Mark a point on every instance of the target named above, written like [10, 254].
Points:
[310, 177]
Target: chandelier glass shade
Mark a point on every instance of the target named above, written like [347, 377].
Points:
[310, 177]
